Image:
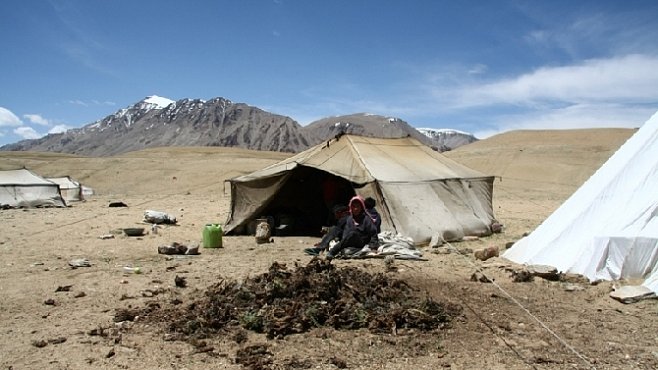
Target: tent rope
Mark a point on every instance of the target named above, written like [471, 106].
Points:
[509, 296]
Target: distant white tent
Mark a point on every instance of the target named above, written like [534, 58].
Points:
[70, 189]
[87, 191]
[25, 189]
[608, 229]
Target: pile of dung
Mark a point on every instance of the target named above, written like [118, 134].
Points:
[282, 302]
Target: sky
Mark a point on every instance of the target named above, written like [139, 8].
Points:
[483, 67]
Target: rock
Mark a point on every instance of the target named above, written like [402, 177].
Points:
[464, 251]
[167, 249]
[482, 278]
[522, 276]
[545, 272]
[177, 248]
[632, 293]
[39, 343]
[57, 340]
[573, 288]
[79, 262]
[180, 281]
[486, 253]
[192, 250]
[574, 278]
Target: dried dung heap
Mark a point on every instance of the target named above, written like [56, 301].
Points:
[282, 302]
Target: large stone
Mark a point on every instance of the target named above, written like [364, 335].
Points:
[632, 293]
[545, 272]
[486, 253]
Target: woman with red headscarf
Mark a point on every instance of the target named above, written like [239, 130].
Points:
[359, 231]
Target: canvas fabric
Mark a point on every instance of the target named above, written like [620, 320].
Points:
[608, 229]
[70, 189]
[22, 188]
[420, 193]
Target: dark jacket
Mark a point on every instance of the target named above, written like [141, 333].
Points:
[359, 230]
[376, 218]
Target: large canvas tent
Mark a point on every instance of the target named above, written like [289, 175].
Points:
[22, 188]
[419, 192]
[608, 229]
[70, 189]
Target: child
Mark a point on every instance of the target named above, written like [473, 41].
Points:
[372, 212]
[359, 231]
[334, 232]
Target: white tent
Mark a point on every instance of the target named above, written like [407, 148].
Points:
[420, 193]
[87, 191]
[608, 229]
[70, 189]
[25, 189]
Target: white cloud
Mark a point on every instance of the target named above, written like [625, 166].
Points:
[537, 37]
[26, 132]
[630, 79]
[477, 69]
[576, 116]
[78, 102]
[36, 118]
[8, 118]
[58, 129]
[93, 102]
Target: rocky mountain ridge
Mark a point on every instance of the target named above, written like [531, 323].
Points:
[160, 122]
[447, 139]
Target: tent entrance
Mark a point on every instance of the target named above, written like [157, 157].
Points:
[305, 201]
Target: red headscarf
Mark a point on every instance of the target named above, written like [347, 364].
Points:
[358, 198]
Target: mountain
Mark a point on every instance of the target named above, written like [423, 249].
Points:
[160, 122]
[447, 139]
[363, 124]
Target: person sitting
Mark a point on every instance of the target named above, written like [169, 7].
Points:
[372, 212]
[333, 233]
[358, 232]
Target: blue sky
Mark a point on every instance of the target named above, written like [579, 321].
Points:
[482, 67]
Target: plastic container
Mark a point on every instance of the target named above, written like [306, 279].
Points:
[212, 236]
[131, 270]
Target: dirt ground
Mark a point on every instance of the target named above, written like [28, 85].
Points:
[54, 316]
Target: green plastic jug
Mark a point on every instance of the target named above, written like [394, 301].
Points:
[212, 236]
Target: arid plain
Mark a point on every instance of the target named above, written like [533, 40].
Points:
[539, 324]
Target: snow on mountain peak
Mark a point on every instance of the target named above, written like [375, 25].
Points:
[159, 101]
[438, 131]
